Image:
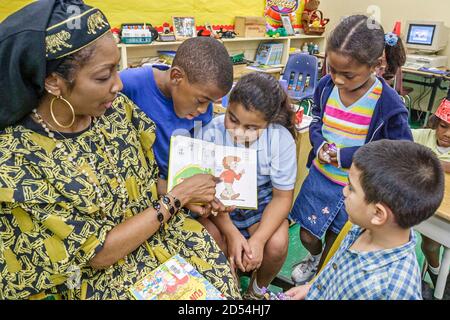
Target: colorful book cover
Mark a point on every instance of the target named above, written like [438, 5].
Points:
[175, 279]
[269, 53]
[234, 165]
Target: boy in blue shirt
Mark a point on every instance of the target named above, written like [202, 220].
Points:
[393, 185]
[180, 97]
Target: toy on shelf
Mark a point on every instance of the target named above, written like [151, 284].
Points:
[305, 48]
[316, 49]
[204, 33]
[226, 34]
[166, 28]
[211, 30]
[166, 35]
[275, 33]
[138, 33]
[312, 18]
[238, 58]
[116, 34]
[207, 31]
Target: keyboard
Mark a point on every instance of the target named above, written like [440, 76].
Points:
[415, 66]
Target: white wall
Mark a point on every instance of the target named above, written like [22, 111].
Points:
[391, 11]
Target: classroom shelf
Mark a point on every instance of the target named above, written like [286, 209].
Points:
[133, 53]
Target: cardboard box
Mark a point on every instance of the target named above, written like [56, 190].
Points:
[250, 26]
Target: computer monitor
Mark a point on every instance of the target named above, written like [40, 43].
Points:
[426, 36]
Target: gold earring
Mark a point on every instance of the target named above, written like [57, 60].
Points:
[53, 115]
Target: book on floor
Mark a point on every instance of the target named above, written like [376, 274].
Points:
[175, 279]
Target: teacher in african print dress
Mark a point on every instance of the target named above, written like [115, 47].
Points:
[80, 216]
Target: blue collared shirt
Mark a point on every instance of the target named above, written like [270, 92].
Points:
[391, 274]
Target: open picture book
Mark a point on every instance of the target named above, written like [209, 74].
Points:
[235, 166]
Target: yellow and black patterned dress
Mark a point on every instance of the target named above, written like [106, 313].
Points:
[50, 222]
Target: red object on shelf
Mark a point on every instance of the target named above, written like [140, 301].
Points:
[204, 33]
[398, 28]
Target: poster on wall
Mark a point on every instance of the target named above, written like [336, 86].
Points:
[276, 8]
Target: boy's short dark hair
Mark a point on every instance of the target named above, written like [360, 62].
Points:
[403, 175]
[206, 61]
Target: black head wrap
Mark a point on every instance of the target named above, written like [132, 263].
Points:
[34, 42]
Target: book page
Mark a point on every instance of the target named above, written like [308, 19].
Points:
[187, 158]
[237, 169]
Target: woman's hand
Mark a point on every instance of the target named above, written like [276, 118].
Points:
[200, 188]
[237, 247]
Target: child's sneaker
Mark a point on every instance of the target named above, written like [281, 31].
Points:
[305, 270]
[251, 294]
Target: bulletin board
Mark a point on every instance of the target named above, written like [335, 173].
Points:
[216, 12]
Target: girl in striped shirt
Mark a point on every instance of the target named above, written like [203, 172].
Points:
[352, 107]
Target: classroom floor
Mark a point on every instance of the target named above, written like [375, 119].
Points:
[297, 252]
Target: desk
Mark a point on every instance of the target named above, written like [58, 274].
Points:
[438, 229]
[435, 85]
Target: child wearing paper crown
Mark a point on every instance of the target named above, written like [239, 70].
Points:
[437, 138]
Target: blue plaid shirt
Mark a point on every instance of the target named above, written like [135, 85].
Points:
[391, 274]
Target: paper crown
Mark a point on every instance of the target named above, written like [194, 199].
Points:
[443, 111]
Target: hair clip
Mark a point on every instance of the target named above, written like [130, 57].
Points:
[391, 39]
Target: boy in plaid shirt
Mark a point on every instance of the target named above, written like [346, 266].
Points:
[393, 185]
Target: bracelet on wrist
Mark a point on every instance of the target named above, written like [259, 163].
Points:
[167, 204]
[159, 215]
[176, 201]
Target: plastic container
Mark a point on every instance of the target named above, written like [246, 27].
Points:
[136, 40]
